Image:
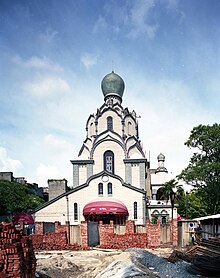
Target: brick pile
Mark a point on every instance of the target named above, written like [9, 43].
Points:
[17, 257]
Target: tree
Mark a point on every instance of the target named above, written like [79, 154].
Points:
[203, 171]
[16, 197]
[192, 203]
[171, 190]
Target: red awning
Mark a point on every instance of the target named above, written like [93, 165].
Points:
[105, 207]
[23, 217]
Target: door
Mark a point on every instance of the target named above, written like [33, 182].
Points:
[93, 233]
[165, 233]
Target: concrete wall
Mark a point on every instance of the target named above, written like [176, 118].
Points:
[56, 188]
[185, 232]
[63, 210]
[102, 122]
[6, 176]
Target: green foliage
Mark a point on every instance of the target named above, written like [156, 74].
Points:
[16, 197]
[168, 191]
[196, 205]
[203, 171]
[193, 203]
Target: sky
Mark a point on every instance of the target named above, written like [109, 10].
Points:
[54, 55]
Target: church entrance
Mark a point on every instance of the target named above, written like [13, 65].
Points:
[105, 210]
[106, 218]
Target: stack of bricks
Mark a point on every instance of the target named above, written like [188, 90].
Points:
[17, 257]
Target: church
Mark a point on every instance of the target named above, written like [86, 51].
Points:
[112, 179]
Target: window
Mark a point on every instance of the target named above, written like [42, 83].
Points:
[75, 212]
[109, 188]
[129, 128]
[135, 210]
[109, 123]
[154, 217]
[109, 161]
[100, 189]
[92, 129]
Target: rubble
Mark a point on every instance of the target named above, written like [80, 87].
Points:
[205, 257]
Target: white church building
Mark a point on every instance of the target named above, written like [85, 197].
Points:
[112, 179]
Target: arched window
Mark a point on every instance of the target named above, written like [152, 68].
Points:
[109, 123]
[154, 216]
[135, 210]
[109, 188]
[92, 129]
[109, 161]
[129, 128]
[164, 216]
[100, 189]
[75, 211]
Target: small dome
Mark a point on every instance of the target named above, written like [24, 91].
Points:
[113, 84]
[161, 157]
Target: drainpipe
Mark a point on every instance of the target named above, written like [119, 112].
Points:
[68, 218]
[145, 201]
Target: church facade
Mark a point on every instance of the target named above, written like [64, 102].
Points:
[112, 180]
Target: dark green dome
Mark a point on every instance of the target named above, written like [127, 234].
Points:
[161, 157]
[112, 85]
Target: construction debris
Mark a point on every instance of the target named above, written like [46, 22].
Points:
[204, 257]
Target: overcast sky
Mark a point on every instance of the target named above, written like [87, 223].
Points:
[54, 54]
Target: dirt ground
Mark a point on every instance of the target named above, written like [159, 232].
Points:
[94, 263]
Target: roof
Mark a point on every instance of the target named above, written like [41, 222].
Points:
[142, 191]
[113, 84]
[214, 216]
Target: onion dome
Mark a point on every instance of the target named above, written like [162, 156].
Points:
[161, 157]
[161, 168]
[113, 85]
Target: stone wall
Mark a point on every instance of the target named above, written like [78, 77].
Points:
[17, 257]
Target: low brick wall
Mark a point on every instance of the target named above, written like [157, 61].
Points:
[153, 234]
[174, 232]
[59, 240]
[49, 241]
[17, 257]
[84, 233]
[111, 240]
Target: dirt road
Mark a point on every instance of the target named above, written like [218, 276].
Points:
[89, 264]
